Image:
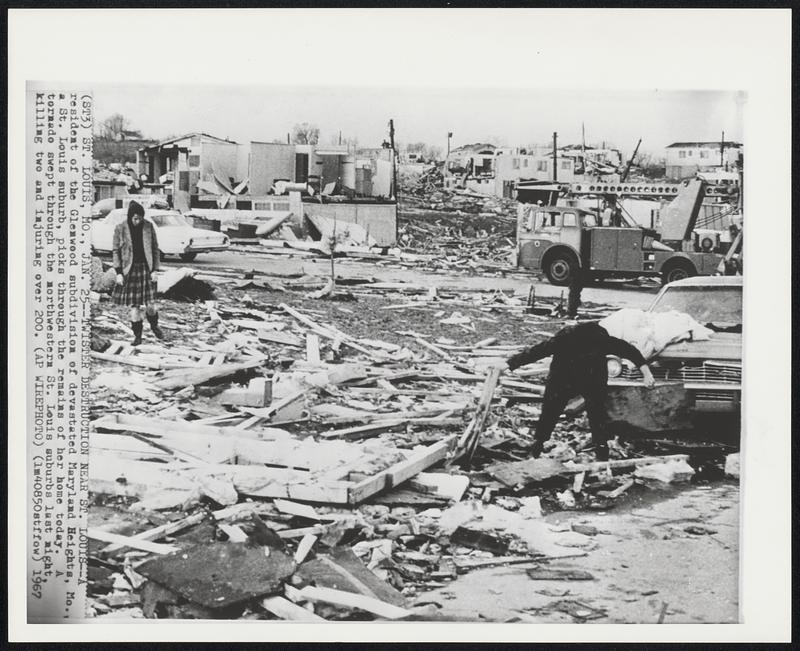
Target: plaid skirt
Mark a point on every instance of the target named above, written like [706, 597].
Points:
[137, 288]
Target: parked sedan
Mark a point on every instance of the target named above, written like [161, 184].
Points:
[711, 371]
[175, 235]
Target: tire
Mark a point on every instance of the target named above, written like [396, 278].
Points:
[560, 269]
[188, 257]
[677, 271]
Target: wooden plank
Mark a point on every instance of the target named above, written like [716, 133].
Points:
[165, 427]
[479, 421]
[283, 338]
[285, 609]
[451, 487]
[326, 332]
[179, 379]
[155, 548]
[401, 471]
[619, 464]
[234, 533]
[352, 600]
[341, 569]
[364, 431]
[183, 523]
[304, 547]
[430, 347]
[126, 359]
[312, 349]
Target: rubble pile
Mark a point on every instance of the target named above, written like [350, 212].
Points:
[454, 226]
[287, 457]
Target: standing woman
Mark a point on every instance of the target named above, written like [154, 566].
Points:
[136, 256]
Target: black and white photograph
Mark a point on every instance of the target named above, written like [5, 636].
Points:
[368, 353]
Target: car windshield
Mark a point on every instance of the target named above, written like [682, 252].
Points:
[169, 219]
[715, 305]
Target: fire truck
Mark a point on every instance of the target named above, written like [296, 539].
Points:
[560, 241]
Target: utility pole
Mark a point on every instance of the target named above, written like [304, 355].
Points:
[722, 151]
[583, 147]
[394, 176]
[555, 156]
[394, 155]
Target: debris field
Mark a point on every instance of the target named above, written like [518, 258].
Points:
[305, 450]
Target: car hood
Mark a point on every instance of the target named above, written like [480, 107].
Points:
[721, 345]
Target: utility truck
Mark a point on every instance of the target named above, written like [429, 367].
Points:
[560, 241]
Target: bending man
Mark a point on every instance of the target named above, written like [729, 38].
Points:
[578, 368]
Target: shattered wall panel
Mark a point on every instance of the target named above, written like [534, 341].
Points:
[268, 162]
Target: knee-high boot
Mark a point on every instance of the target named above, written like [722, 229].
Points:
[136, 326]
[152, 319]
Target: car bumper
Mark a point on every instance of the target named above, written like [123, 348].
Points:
[206, 249]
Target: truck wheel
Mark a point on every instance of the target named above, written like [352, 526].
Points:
[560, 269]
[677, 271]
[188, 257]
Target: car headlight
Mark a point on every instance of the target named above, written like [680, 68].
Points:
[614, 365]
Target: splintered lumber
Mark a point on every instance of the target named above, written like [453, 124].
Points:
[465, 564]
[431, 347]
[284, 338]
[301, 510]
[304, 546]
[328, 333]
[127, 359]
[440, 484]
[619, 464]
[178, 379]
[189, 521]
[258, 393]
[558, 574]
[146, 546]
[312, 348]
[400, 472]
[234, 533]
[285, 609]
[469, 440]
[364, 431]
[341, 569]
[352, 600]
[617, 491]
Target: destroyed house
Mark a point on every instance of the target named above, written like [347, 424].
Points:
[685, 159]
[492, 171]
[207, 175]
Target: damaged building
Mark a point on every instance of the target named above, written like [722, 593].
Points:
[233, 182]
[495, 171]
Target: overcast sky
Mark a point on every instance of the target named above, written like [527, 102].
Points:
[514, 117]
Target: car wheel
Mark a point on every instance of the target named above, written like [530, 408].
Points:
[188, 257]
[559, 270]
[677, 272]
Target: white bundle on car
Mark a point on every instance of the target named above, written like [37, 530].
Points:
[652, 332]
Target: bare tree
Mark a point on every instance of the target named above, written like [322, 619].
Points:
[305, 134]
[112, 127]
